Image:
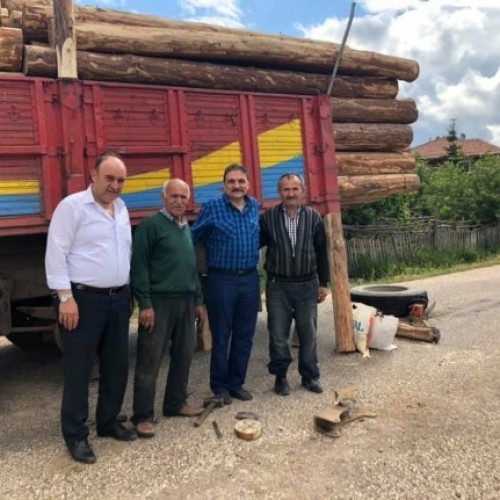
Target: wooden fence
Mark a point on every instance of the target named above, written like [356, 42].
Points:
[397, 242]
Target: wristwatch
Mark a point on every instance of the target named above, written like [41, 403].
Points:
[65, 298]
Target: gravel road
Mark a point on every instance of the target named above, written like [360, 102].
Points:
[436, 433]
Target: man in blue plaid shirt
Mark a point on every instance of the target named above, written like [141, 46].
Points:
[228, 226]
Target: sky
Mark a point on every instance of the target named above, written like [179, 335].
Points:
[455, 42]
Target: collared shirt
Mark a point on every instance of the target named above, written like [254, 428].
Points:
[231, 236]
[180, 222]
[86, 245]
[291, 224]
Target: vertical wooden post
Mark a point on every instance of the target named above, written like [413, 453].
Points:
[65, 39]
[337, 254]
[342, 311]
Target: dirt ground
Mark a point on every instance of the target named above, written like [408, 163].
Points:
[436, 433]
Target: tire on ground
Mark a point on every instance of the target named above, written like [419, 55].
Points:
[390, 299]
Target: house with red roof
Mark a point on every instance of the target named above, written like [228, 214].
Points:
[437, 150]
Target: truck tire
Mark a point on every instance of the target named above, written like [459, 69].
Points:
[395, 300]
[31, 341]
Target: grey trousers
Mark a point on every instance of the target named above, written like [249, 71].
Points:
[174, 329]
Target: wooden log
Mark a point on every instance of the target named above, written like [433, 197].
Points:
[18, 4]
[11, 49]
[11, 74]
[370, 163]
[422, 331]
[374, 110]
[360, 189]
[342, 312]
[15, 19]
[36, 18]
[40, 61]
[372, 136]
[213, 43]
[4, 17]
[65, 39]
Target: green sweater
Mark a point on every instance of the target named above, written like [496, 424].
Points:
[163, 261]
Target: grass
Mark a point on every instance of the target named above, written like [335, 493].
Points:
[424, 264]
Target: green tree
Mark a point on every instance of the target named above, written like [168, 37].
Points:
[485, 180]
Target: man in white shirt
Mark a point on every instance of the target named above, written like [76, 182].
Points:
[87, 264]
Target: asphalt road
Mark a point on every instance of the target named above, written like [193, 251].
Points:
[436, 433]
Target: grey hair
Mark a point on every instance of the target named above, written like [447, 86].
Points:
[166, 183]
[290, 175]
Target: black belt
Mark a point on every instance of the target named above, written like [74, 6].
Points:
[232, 272]
[292, 279]
[113, 290]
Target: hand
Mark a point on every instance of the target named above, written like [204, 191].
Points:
[69, 314]
[322, 294]
[147, 319]
[200, 316]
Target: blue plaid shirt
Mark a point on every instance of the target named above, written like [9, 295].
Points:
[231, 237]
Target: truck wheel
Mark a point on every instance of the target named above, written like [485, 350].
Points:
[395, 300]
[31, 341]
[45, 338]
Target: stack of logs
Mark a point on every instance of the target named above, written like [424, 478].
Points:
[372, 127]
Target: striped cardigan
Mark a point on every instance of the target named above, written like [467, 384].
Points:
[311, 257]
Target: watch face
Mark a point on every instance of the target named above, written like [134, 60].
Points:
[65, 298]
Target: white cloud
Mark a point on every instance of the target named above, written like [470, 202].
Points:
[212, 9]
[228, 22]
[456, 45]
[107, 4]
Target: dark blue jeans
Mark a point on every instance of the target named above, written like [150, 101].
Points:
[232, 305]
[174, 329]
[287, 301]
[103, 329]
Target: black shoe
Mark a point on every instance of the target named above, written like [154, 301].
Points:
[226, 398]
[281, 386]
[117, 431]
[312, 385]
[81, 451]
[241, 394]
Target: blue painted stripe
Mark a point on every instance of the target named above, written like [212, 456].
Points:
[271, 175]
[208, 191]
[19, 204]
[150, 198]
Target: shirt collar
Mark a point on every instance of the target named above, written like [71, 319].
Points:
[228, 201]
[181, 223]
[286, 212]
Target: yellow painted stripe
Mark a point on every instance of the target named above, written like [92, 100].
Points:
[146, 180]
[280, 144]
[210, 168]
[17, 186]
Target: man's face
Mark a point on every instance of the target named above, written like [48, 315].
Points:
[176, 198]
[236, 185]
[291, 192]
[108, 180]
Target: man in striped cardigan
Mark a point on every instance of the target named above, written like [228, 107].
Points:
[297, 279]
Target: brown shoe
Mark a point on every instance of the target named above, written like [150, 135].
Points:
[145, 429]
[186, 411]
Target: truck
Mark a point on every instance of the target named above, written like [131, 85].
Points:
[52, 130]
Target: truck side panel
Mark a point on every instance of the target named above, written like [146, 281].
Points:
[51, 133]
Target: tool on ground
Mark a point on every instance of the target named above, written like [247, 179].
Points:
[209, 404]
[250, 415]
[330, 420]
[215, 425]
[248, 430]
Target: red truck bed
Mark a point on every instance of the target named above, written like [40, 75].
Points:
[51, 132]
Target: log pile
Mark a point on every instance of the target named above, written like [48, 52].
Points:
[371, 125]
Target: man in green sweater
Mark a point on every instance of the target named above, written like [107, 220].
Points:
[166, 285]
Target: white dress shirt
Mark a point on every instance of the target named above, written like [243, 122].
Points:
[86, 245]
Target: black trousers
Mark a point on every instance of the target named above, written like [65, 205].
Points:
[103, 330]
